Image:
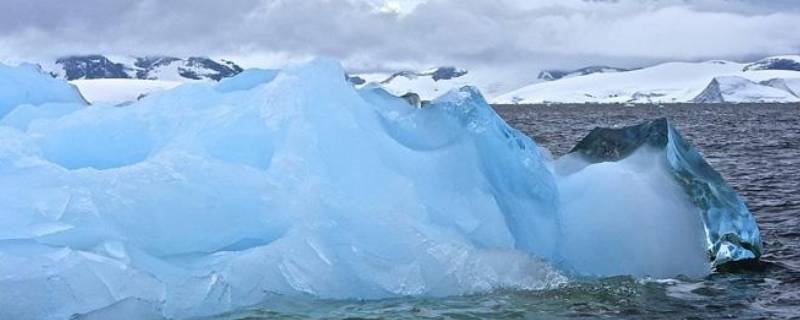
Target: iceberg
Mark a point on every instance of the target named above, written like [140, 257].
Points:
[733, 89]
[209, 198]
[27, 84]
[658, 157]
[247, 79]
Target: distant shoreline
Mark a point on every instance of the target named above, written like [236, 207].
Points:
[633, 105]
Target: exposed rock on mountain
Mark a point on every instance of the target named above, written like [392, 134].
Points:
[166, 68]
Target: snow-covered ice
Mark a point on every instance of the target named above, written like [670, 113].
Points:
[208, 198]
[734, 89]
[791, 85]
[116, 91]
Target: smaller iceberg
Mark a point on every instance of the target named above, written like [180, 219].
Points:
[733, 89]
[730, 230]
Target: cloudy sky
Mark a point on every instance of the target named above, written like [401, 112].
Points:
[512, 36]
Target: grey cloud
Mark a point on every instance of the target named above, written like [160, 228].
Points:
[513, 34]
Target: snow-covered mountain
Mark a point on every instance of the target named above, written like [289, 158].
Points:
[551, 75]
[428, 84]
[431, 83]
[791, 63]
[773, 79]
[116, 91]
[119, 79]
[164, 68]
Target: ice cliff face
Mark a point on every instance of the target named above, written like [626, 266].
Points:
[212, 197]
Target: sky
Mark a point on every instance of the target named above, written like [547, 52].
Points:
[507, 36]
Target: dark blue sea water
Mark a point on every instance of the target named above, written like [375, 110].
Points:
[755, 147]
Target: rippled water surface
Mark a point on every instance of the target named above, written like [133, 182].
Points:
[755, 147]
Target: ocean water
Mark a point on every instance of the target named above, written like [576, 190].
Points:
[755, 147]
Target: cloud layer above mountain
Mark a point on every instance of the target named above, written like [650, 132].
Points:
[375, 34]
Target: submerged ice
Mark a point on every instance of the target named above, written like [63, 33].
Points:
[208, 198]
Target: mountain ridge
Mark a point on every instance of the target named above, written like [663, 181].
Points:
[156, 67]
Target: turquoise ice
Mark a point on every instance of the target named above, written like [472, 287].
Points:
[730, 229]
[206, 198]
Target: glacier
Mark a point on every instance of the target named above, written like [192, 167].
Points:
[208, 198]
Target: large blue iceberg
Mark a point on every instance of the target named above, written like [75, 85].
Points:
[209, 198]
